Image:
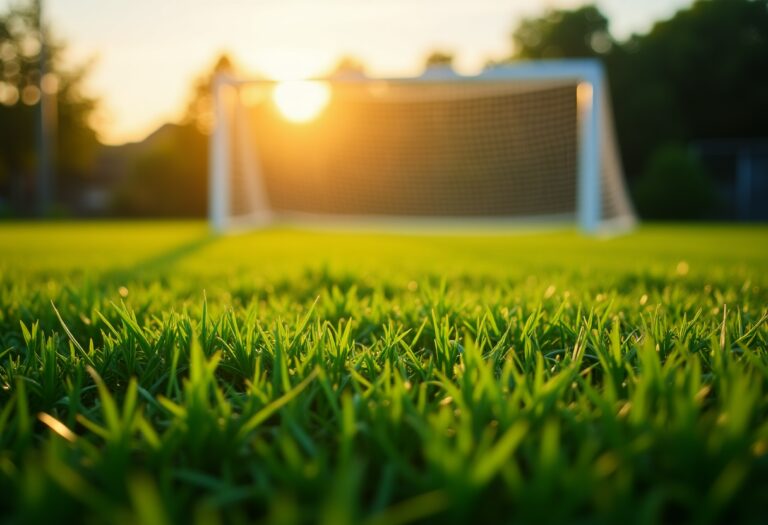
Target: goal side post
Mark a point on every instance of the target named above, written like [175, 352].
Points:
[589, 106]
[593, 119]
[219, 157]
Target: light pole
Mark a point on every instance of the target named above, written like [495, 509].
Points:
[46, 125]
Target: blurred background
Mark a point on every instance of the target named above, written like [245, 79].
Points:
[105, 106]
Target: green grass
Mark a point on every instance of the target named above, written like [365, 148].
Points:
[151, 373]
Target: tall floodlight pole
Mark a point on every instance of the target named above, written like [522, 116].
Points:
[46, 122]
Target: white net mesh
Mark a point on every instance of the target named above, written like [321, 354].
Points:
[415, 150]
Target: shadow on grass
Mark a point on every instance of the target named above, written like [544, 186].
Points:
[160, 263]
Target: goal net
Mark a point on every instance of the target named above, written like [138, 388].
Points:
[524, 143]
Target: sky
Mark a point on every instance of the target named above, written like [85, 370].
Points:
[147, 53]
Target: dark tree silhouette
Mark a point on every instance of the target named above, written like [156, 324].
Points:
[439, 59]
[582, 32]
[20, 95]
[168, 172]
[348, 65]
[200, 105]
[703, 73]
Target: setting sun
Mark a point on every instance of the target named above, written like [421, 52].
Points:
[302, 100]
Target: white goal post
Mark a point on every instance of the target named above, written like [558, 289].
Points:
[528, 142]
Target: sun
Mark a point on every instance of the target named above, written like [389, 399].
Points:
[301, 100]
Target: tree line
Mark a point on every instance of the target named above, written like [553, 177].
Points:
[28, 73]
[702, 73]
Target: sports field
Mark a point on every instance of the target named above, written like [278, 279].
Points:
[153, 373]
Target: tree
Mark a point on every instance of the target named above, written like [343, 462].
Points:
[703, 73]
[21, 39]
[168, 171]
[439, 59]
[166, 175]
[348, 66]
[674, 186]
[582, 32]
[199, 111]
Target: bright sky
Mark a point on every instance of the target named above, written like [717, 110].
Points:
[148, 52]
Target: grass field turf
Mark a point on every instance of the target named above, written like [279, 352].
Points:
[152, 373]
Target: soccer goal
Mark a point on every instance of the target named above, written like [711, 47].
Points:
[528, 143]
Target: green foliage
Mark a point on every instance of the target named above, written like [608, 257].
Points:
[562, 33]
[151, 373]
[674, 186]
[699, 74]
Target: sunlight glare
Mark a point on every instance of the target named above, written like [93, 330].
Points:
[301, 100]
